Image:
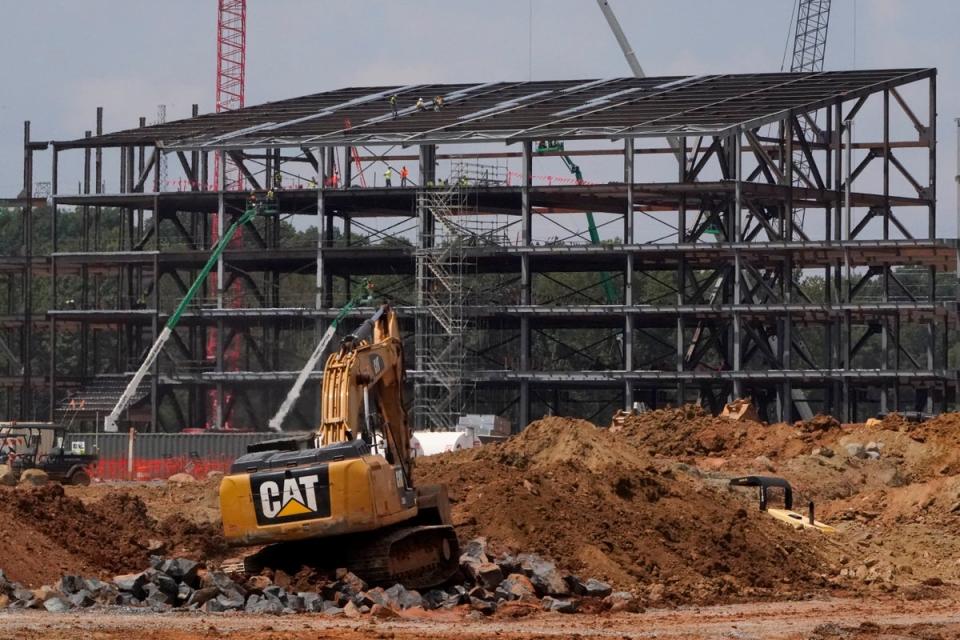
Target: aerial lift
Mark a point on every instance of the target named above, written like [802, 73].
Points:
[255, 208]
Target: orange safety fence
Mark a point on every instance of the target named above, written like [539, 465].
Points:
[158, 468]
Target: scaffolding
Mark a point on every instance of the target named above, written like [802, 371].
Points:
[439, 390]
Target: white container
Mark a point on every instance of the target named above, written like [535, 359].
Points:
[433, 442]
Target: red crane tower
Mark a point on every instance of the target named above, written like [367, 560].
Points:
[231, 71]
[231, 86]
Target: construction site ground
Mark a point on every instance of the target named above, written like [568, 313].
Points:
[647, 508]
[849, 619]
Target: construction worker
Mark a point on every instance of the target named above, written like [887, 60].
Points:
[388, 177]
[277, 181]
[420, 105]
[462, 182]
[335, 179]
[404, 174]
[437, 103]
[312, 183]
[393, 104]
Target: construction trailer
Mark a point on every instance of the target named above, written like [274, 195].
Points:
[723, 289]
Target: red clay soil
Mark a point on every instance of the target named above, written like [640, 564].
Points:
[646, 508]
[199, 501]
[603, 507]
[898, 513]
[48, 533]
[692, 432]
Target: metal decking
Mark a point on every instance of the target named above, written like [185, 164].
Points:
[506, 111]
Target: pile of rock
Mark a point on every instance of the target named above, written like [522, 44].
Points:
[528, 577]
[869, 451]
[180, 583]
[71, 592]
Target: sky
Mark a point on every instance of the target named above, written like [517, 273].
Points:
[63, 58]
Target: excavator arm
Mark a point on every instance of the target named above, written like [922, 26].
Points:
[354, 486]
[363, 390]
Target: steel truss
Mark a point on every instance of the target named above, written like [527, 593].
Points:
[723, 306]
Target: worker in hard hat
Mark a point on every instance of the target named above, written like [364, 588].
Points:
[421, 106]
[393, 104]
[388, 177]
[404, 174]
[437, 103]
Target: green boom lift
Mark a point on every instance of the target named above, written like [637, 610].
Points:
[110, 422]
[554, 146]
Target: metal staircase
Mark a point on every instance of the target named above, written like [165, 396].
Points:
[439, 389]
[94, 401]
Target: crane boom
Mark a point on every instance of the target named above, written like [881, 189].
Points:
[110, 422]
[631, 57]
[621, 37]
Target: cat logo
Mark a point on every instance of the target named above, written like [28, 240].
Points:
[299, 494]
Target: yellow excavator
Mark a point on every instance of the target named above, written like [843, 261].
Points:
[347, 493]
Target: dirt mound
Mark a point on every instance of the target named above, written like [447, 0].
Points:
[112, 535]
[198, 502]
[692, 431]
[604, 508]
[818, 422]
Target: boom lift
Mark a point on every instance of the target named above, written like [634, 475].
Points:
[348, 491]
[556, 146]
[110, 422]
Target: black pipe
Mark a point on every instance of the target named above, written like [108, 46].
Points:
[365, 331]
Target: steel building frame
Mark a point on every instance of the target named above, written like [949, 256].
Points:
[733, 316]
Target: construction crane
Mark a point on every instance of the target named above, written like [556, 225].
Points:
[631, 56]
[621, 37]
[809, 51]
[810, 35]
[230, 95]
[231, 74]
[231, 71]
[638, 72]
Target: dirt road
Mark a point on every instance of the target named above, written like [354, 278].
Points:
[888, 619]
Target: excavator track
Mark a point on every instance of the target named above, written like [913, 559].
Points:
[417, 557]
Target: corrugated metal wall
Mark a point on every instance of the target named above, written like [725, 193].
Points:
[172, 445]
[160, 455]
